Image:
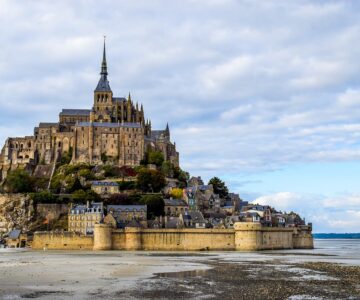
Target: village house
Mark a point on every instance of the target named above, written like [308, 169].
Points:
[105, 188]
[278, 220]
[250, 217]
[16, 239]
[124, 214]
[82, 218]
[175, 207]
[192, 219]
[263, 211]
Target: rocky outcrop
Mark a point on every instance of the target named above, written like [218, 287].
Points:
[16, 212]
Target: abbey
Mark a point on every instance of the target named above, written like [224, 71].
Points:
[114, 130]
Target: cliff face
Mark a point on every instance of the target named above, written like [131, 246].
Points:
[16, 212]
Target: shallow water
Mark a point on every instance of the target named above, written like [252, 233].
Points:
[117, 274]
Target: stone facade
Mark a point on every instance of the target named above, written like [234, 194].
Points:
[113, 130]
[105, 188]
[82, 218]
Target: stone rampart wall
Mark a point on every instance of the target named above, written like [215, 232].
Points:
[245, 237]
[62, 241]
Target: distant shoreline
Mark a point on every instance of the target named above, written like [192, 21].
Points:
[336, 236]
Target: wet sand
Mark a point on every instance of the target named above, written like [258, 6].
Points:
[332, 271]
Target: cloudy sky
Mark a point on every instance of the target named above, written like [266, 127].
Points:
[264, 94]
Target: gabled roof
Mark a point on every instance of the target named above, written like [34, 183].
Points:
[75, 112]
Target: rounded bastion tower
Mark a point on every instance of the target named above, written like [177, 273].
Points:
[102, 237]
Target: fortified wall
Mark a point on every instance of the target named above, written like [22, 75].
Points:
[244, 237]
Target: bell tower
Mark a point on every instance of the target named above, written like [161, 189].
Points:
[103, 95]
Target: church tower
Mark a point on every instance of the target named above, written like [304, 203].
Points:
[103, 95]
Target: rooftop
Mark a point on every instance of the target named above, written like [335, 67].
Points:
[108, 124]
[75, 112]
[105, 183]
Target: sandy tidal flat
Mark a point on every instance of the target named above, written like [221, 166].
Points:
[332, 271]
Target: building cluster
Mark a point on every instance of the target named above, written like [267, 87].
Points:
[200, 207]
[114, 129]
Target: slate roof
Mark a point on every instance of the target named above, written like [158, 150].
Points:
[104, 183]
[195, 216]
[155, 134]
[172, 222]
[103, 85]
[44, 124]
[75, 112]
[119, 99]
[108, 124]
[82, 209]
[127, 207]
[14, 234]
[175, 202]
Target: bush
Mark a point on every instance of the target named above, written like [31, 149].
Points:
[19, 181]
[176, 193]
[43, 197]
[155, 205]
[150, 180]
[81, 196]
[156, 158]
[56, 183]
[66, 157]
[127, 185]
[87, 174]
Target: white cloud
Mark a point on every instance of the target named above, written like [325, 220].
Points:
[329, 214]
[247, 86]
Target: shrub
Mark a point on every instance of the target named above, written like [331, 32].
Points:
[155, 205]
[176, 193]
[150, 180]
[19, 181]
[43, 197]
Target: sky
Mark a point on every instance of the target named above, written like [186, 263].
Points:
[263, 94]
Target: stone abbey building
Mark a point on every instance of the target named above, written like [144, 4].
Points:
[113, 130]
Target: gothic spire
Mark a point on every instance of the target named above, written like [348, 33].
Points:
[103, 84]
[167, 130]
[104, 71]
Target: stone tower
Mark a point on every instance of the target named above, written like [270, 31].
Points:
[103, 95]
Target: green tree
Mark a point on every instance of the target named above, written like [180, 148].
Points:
[219, 187]
[19, 181]
[66, 157]
[150, 180]
[156, 158]
[43, 197]
[79, 196]
[167, 169]
[87, 174]
[155, 205]
[72, 184]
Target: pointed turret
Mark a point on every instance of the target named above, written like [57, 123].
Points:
[167, 130]
[103, 85]
[104, 64]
